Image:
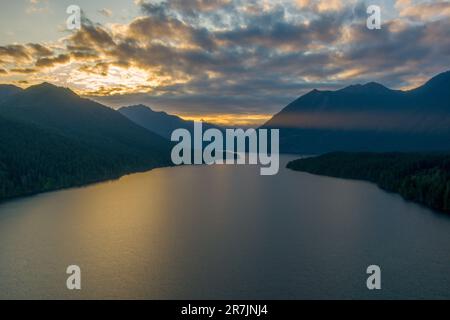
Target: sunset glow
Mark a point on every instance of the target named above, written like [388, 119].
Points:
[231, 62]
[230, 120]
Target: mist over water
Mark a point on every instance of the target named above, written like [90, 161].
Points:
[223, 232]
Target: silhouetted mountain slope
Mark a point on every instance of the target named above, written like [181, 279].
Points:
[368, 117]
[7, 90]
[64, 112]
[158, 122]
[52, 138]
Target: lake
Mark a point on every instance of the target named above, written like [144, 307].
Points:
[223, 232]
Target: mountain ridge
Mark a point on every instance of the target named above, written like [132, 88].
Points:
[367, 117]
[159, 122]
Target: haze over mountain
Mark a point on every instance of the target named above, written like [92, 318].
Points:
[368, 117]
[159, 122]
[51, 138]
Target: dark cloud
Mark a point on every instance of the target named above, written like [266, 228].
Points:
[83, 55]
[394, 57]
[52, 61]
[23, 70]
[252, 56]
[40, 50]
[269, 57]
[92, 36]
[18, 52]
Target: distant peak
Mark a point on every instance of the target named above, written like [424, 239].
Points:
[136, 108]
[139, 106]
[48, 84]
[45, 85]
[374, 85]
[365, 88]
[50, 88]
[314, 91]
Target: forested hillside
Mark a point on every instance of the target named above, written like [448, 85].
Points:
[50, 138]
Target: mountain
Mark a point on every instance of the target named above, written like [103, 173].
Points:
[158, 122]
[51, 138]
[7, 90]
[367, 117]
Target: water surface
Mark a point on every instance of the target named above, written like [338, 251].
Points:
[223, 232]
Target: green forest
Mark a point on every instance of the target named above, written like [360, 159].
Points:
[50, 138]
[33, 160]
[420, 177]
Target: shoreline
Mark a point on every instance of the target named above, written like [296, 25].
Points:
[79, 186]
[417, 177]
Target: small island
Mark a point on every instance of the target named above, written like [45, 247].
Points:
[420, 177]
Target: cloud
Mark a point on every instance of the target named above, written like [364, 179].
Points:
[23, 70]
[98, 69]
[425, 11]
[52, 61]
[106, 12]
[37, 6]
[92, 36]
[40, 50]
[241, 57]
[17, 52]
[320, 5]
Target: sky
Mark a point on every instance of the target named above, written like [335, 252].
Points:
[231, 62]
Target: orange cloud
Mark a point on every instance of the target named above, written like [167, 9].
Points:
[424, 11]
[321, 5]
